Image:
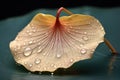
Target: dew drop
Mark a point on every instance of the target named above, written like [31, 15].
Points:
[30, 33]
[83, 51]
[27, 52]
[27, 31]
[24, 44]
[102, 28]
[45, 68]
[52, 65]
[71, 60]
[58, 55]
[34, 30]
[37, 61]
[30, 65]
[39, 50]
[25, 63]
[32, 27]
[85, 38]
[52, 73]
[84, 32]
[55, 66]
[40, 72]
[30, 42]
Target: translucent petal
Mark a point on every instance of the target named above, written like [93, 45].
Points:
[47, 49]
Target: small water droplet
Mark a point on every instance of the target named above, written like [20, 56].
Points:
[34, 30]
[32, 27]
[45, 68]
[83, 51]
[44, 54]
[30, 65]
[102, 28]
[37, 61]
[55, 66]
[15, 49]
[40, 72]
[39, 50]
[25, 63]
[81, 45]
[30, 33]
[29, 72]
[71, 60]
[52, 65]
[58, 55]
[52, 73]
[84, 32]
[30, 42]
[85, 38]
[27, 52]
[27, 31]
[24, 44]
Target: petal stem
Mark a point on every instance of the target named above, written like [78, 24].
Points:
[113, 50]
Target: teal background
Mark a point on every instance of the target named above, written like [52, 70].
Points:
[96, 68]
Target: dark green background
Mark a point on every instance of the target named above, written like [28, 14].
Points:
[96, 68]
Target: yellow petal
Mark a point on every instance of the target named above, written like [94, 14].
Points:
[40, 48]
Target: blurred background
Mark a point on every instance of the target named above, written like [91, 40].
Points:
[10, 8]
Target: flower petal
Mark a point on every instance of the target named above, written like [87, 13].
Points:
[39, 48]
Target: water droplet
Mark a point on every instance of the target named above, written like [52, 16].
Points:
[85, 38]
[30, 42]
[52, 73]
[32, 27]
[44, 54]
[71, 60]
[27, 31]
[58, 55]
[45, 68]
[92, 50]
[24, 44]
[15, 49]
[29, 72]
[30, 33]
[34, 30]
[39, 50]
[27, 52]
[102, 28]
[52, 65]
[81, 45]
[25, 63]
[55, 66]
[84, 32]
[83, 51]
[37, 61]
[30, 65]
[40, 72]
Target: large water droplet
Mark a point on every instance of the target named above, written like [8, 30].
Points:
[83, 51]
[37, 61]
[85, 38]
[27, 52]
